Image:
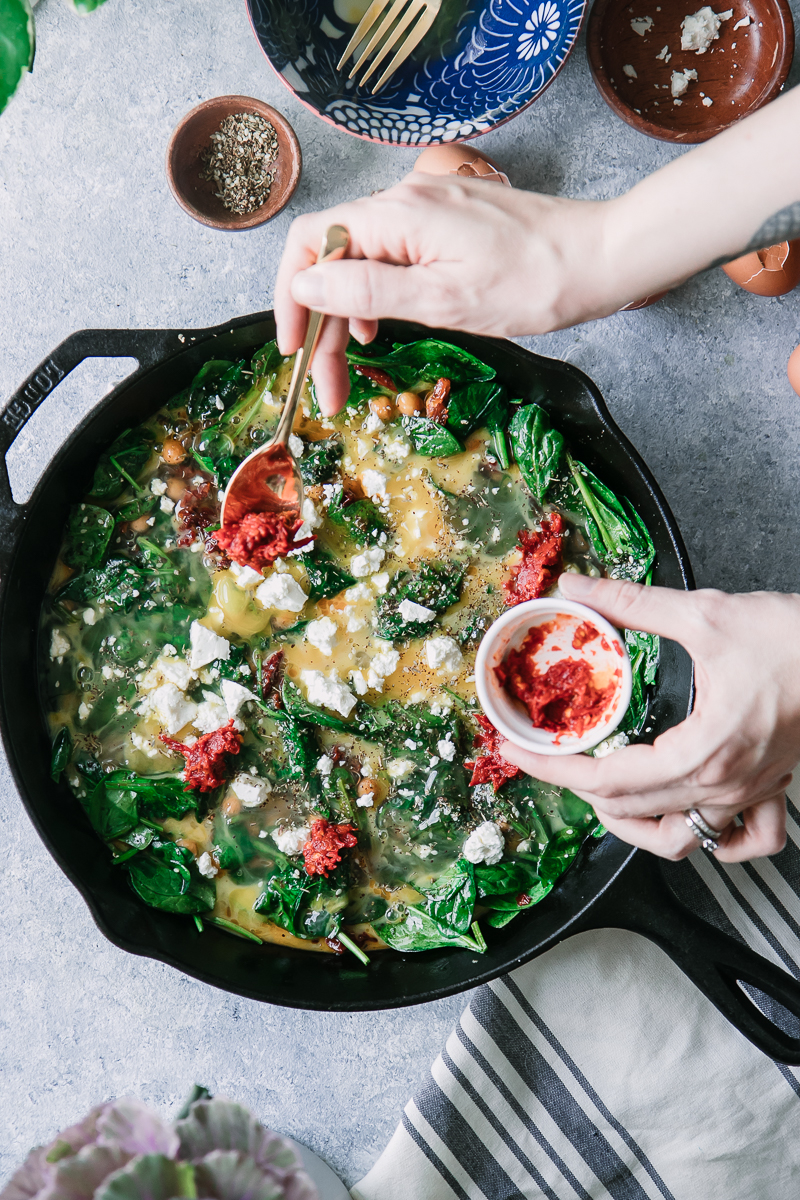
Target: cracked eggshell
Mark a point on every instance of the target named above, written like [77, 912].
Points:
[453, 159]
[773, 271]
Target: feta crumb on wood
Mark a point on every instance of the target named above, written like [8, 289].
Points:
[642, 25]
[630, 71]
[700, 29]
[680, 81]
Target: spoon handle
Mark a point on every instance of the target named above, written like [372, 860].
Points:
[334, 246]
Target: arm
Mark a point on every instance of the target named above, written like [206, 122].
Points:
[469, 255]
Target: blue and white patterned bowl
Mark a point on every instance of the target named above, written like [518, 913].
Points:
[478, 66]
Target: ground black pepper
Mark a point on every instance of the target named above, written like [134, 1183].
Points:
[239, 159]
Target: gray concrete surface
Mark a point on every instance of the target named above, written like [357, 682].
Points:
[89, 235]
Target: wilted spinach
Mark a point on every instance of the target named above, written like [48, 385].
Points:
[214, 389]
[89, 531]
[307, 906]
[360, 518]
[643, 650]
[434, 585]
[537, 447]
[62, 752]
[166, 876]
[619, 537]
[427, 359]
[477, 406]
[121, 464]
[118, 585]
[320, 460]
[431, 439]
[419, 931]
[324, 576]
[299, 709]
[266, 363]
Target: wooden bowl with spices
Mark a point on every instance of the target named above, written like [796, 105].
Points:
[233, 163]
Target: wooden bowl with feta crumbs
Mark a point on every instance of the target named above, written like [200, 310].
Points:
[233, 163]
[683, 74]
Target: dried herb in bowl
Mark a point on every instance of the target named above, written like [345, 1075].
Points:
[239, 160]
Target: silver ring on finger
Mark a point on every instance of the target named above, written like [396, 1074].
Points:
[706, 836]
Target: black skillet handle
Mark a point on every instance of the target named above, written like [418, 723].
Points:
[641, 901]
[149, 346]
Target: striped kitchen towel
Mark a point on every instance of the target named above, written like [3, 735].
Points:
[598, 1070]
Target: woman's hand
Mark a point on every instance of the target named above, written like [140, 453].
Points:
[449, 252]
[733, 755]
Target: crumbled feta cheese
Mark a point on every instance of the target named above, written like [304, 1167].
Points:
[642, 25]
[446, 749]
[235, 696]
[380, 582]
[700, 29]
[396, 448]
[398, 768]
[366, 800]
[409, 611]
[206, 865]
[211, 714]
[171, 708]
[158, 487]
[354, 624]
[630, 71]
[59, 645]
[322, 634]
[373, 424]
[523, 847]
[246, 577]
[615, 742]
[283, 593]
[325, 764]
[359, 682]
[680, 81]
[251, 790]
[291, 841]
[382, 666]
[374, 484]
[310, 515]
[296, 446]
[107, 672]
[485, 844]
[166, 505]
[83, 710]
[206, 645]
[443, 654]
[359, 592]
[175, 670]
[328, 692]
[89, 616]
[367, 563]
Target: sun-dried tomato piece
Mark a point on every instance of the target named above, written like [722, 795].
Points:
[205, 759]
[542, 558]
[259, 538]
[436, 401]
[490, 767]
[270, 672]
[197, 508]
[377, 376]
[322, 850]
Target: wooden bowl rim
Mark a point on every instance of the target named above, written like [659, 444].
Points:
[780, 72]
[287, 144]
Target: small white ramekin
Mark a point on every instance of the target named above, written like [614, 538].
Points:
[507, 715]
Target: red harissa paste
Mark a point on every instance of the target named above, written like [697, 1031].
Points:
[562, 699]
[491, 767]
[542, 557]
[205, 758]
[259, 538]
[321, 852]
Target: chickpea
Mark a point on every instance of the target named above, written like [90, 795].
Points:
[172, 451]
[370, 786]
[175, 488]
[139, 525]
[382, 406]
[409, 403]
[231, 805]
[189, 844]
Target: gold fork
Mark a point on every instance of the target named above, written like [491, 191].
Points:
[374, 29]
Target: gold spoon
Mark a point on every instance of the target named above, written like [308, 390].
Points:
[268, 480]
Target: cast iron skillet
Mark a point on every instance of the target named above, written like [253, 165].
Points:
[610, 885]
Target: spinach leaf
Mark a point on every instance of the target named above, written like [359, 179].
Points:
[427, 359]
[62, 752]
[559, 853]
[537, 447]
[393, 722]
[419, 931]
[266, 363]
[321, 460]
[363, 388]
[299, 709]
[477, 406]
[643, 649]
[142, 506]
[434, 585]
[118, 585]
[619, 537]
[165, 876]
[233, 844]
[307, 906]
[112, 810]
[158, 798]
[504, 909]
[120, 465]
[324, 576]
[431, 439]
[301, 748]
[451, 897]
[213, 390]
[89, 531]
[509, 877]
[361, 518]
